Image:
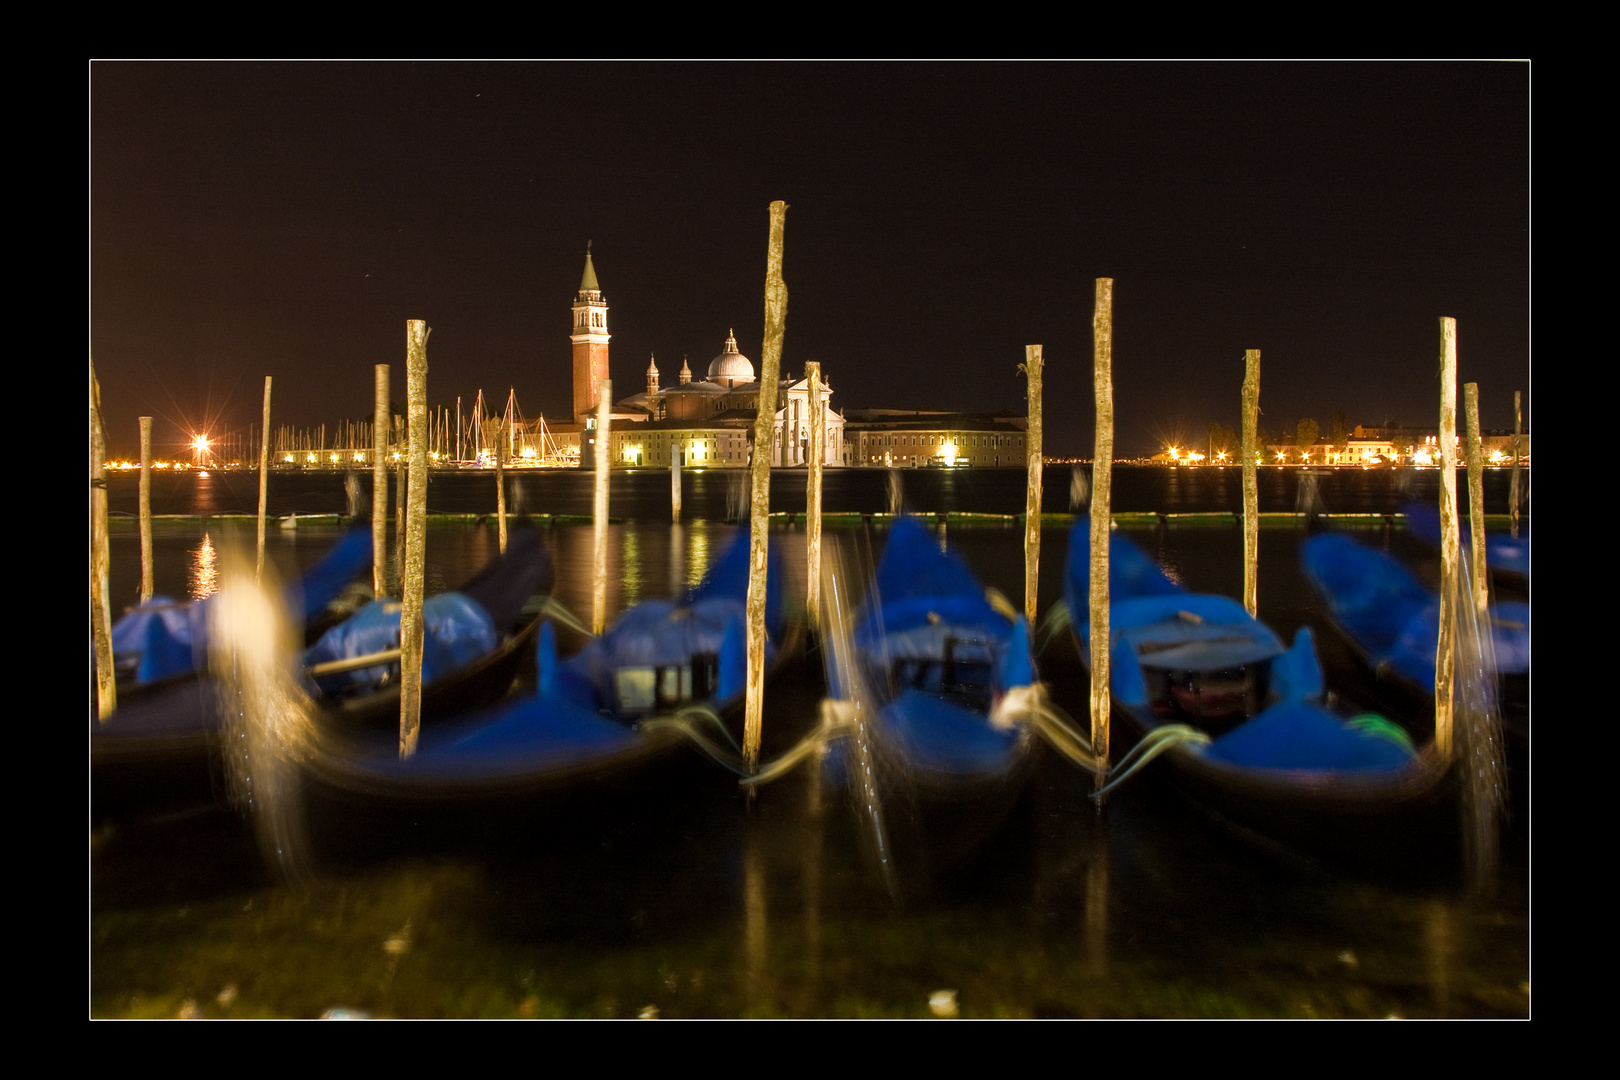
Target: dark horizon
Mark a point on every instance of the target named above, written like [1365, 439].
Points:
[256, 219]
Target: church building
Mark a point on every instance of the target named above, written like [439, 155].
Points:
[709, 422]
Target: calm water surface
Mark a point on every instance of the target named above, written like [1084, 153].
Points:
[691, 903]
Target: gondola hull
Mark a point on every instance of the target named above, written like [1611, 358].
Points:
[935, 661]
[161, 749]
[597, 731]
[1252, 743]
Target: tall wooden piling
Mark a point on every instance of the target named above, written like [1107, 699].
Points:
[1479, 736]
[1445, 656]
[379, 482]
[500, 483]
[1032, 497]
[400, 485]
[413, 575]
[1513, 484]
[264, 480]
[1251, 484]
[1475, 459]
[146, 509]
[675, 453]
[100, 560]
[812, 498]
[599, 513]
[760, 492]
[1102, 467]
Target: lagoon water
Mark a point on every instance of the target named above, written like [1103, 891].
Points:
[696, 904]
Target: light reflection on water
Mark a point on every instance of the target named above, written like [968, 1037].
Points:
[204, 568]
[629, 574]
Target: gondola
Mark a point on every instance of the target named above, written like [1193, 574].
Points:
[1393, 622]
[941, 669]
[477, 639]
[664, 673]
[1240, 720]
[162, 640]
[159, 748]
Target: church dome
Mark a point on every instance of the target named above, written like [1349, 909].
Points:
[731, 365]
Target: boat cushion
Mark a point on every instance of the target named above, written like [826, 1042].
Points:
[162, 638]
[458, 631]
[653, 639]
[1297, 674]
[938, 735]
[1299, 735]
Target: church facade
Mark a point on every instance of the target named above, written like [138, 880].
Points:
[709, 422]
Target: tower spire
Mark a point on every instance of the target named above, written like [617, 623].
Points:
[587, 281]
[590, 341]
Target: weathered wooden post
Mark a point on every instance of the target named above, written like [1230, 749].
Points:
[760, 494]
[1445, 656]
[264, 479]
[413, 576]
[401, 484]
[379, 482]
[604, 452]
[1032, 497]
[1475, 460]
[1479, 739]
[100, 560]
[1251, 486]
[812, 498]
[500, 482]
[675, 453]
[146, 509]
[1102, 470]
[1513, 485]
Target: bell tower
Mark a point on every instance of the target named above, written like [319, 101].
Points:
[590, 337]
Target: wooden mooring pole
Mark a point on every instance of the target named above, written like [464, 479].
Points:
[100, 560]
[379, 482]
[1102, 466]
[675, 452]
[1032, 497]
[413, 575]
[264, 480]
[146, 509]
[1513, 484]
[500, 482]
[599, 513]
[1445, 656]
[812, 499]
[1474, 457]
[400, 485]
[1251, 485]
[760, 492]
[1479, 739]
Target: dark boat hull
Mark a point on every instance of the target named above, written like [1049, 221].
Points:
[161, 750]
[1388, 824]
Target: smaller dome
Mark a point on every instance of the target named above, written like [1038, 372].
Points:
[731, 365]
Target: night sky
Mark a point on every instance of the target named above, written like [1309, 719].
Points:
[286, 219]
